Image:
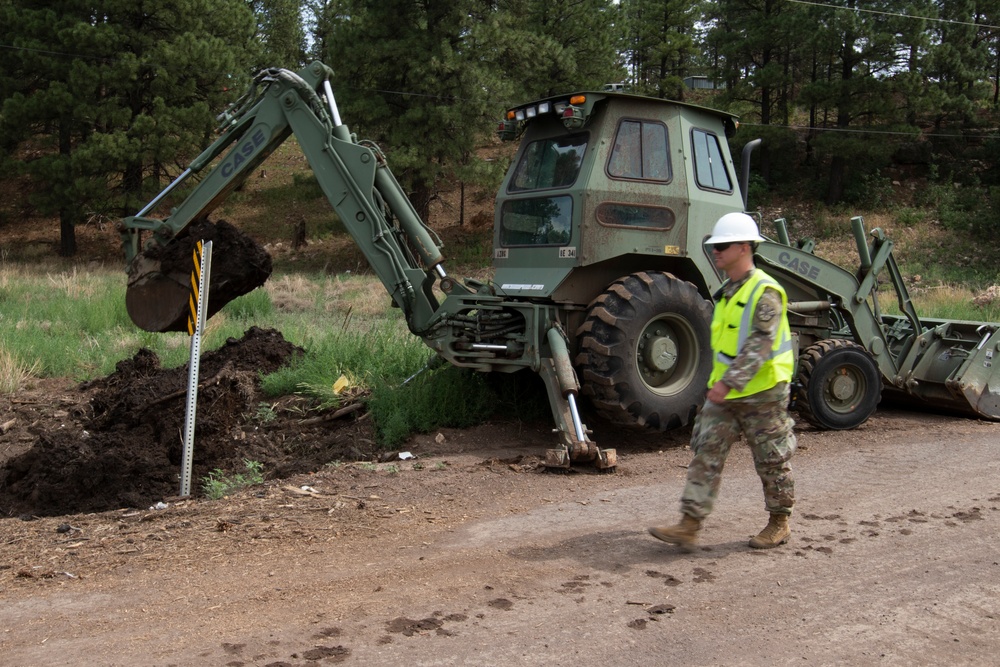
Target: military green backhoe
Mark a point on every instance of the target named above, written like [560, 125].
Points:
[602, 284]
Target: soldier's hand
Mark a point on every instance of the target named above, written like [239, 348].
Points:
[718, 392]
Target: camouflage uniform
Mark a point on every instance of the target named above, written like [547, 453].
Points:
[762, 418]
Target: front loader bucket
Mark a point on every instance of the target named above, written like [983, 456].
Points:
[160, 279]
[953, 366]
[979, 381]
[984, 399]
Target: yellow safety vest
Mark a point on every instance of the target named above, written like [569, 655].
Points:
[732, 323]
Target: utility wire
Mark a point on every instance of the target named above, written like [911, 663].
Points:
[862, 131]
[436, 97]
[53, 53]
[905, 16]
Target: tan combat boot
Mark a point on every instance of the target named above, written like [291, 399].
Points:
[684, 534]
[775, 533]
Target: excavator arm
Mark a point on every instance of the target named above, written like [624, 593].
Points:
[353, 176]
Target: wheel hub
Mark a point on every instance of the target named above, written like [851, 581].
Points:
[661, 354]
[843, 387]
[666, 355]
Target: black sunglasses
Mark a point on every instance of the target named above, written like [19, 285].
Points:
[721, 247]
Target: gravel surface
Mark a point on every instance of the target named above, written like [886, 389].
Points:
[470, 554]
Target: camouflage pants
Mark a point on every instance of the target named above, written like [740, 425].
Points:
[768, 430]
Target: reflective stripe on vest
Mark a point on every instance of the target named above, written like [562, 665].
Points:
[781, 362]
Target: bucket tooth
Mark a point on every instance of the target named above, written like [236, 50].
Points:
[557, 459]
[607, 459]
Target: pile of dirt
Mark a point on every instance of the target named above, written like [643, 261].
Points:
[118, 441]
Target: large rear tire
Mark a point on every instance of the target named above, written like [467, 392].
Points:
[645, 351]
[841, 386]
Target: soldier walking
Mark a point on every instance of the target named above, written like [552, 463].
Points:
[747, 390]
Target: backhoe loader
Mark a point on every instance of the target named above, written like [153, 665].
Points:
[602, 284]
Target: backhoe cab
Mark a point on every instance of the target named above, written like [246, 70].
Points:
[602, 282]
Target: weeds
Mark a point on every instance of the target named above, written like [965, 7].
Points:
[450, 396]
[217, 484]
[265, 413]
[910, 217]
[251, 307]
[14, 373]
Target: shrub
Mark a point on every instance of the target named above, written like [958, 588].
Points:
[218, 485]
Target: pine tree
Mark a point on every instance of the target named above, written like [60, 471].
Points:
[958, 60]
[109, 93]
[756, 44]
[988, 14]
[420, 78]
[853, 57]
[323, 20]
[660, 45]
[280, 33]
[578, 43]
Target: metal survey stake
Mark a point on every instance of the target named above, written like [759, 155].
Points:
[202, 257]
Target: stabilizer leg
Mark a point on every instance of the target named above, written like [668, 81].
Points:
[562, 387]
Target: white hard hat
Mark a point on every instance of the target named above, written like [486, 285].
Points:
[734, 228]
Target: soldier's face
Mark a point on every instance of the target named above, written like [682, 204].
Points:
[728, 255]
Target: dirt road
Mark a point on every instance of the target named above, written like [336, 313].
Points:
[473, 558]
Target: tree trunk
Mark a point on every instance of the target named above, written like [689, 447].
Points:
[132, 187]
[765, 119]
[996, 83]
[765, 163]
[67, 233]
[67, 212]
[838, 166]
[421, 198]
[835, 190]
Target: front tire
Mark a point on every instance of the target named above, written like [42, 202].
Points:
[841, 385]
[645, 351]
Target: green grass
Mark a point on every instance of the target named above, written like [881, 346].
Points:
[946, 302]
[74, 324]
[367, 356]
[447, 397]
[217, 484]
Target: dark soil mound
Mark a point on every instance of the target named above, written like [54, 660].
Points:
[128, 453]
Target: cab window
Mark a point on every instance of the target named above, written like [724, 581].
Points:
[634, 215]
[536, 221]
[549, 163]
[641, 151]
[709, 166]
